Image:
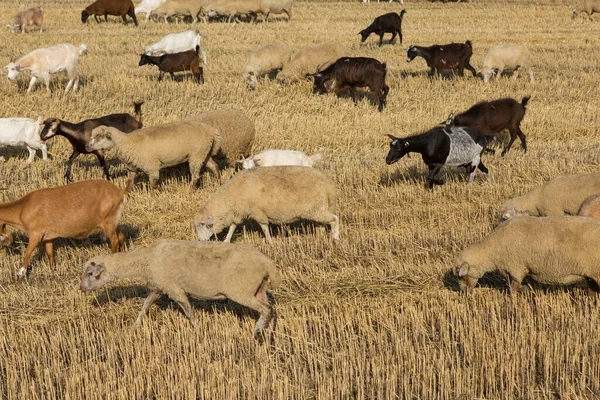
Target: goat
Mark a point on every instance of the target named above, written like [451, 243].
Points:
[29, 17]
[176, 43]
[453, 56]
[177, 62]
[443, 146]
[386, 23]
[23, 132]
[79, 134]
[352, 72]
[119, 8]
[490, 117]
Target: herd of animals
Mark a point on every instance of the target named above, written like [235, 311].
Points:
[296, 191]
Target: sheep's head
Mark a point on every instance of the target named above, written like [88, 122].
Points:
[507, 213]
[398, 149]
[486, 72]
[84, 16]
[250, 78]
[204, 225]
[13, 70]
[50, 128]
[94, 275]
[411, 53]
[464, 272]
[249, 163]
[101, 139]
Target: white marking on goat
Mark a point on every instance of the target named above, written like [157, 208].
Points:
[394, 142]
[463, 149]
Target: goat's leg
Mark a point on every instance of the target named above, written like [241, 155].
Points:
[72, 158]
[433, 170]
[105, 17]
[34, 240]
[172, 75]
[507, 148]
[160, 76]
[380, 39]
[44, 150]
[393, 37]
[31, 155]
[102, 162]
[484, 169]
[400, 36]
[96, 18]
[474, 165]
[470, 68]
[522, 138]
[110, 230]
[151, 299]
[50, 252]
[31, 83]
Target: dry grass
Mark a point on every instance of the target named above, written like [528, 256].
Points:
[376, 316]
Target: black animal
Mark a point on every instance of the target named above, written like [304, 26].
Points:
[490, 117]
[453, 56]
[352, 72]
[386, 23]
[443, 146]
[176, 62]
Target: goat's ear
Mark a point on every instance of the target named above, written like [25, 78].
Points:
[463, 270]
[391, 136]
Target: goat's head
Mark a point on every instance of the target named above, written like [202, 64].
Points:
[203, 224]
[94, 275]
[51, 128]
[84, 16]
[364, 34]
[13, 70]
[144, 59]
[101, 139]
[322, 83]
[398, 149]
[411, 53]
[450, 120]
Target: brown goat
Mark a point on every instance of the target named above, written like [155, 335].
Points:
[176, 62]
[71, 211]
[119, 8]
[29, 17]
[446, 57]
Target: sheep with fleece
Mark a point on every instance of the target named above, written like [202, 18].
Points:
[23, 132]
[29, 17]
[152, 148]
[559, 196]
[587, 6]
[207, 271]
[277, 195]
[310, 60]
[173, 8]
[265, 59]
[233, 8]
[269, 7]
[564, 252]
[506, 56]
[147, 6]
[176, 43]
[272, 158]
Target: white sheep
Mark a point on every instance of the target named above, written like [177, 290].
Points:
[265, 59]
[552, 250]
[173, 8]
[29, 17]
[176, 43]
[269, 7]
[46, 61]
[147, 6]
[587, 6]
[207, 271]
[506, 56]
[152, 148]
[272, 158]
[23, 132]
[277, 195]
[233, 8]
[310, 59]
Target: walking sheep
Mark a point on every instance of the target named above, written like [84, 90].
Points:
[506, 56]
[552, 250]
[207, 271]
[310, 60]
[277, 195]
[265, 59]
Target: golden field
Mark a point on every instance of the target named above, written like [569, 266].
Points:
[376, 316]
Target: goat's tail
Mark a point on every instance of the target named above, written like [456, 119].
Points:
[469, 43]
[525, 100]
[129, 185]
[402, 13]
[316, 157]
[82, 49]
[137, 108]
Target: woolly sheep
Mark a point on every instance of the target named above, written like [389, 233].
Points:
[23, 132]
[207, 271]
[232, 8]
[31, 16]
[587, 6]
[590, 207]
[271, 158]
[265, 59]
[506, 56]
[178, 7]
[152, 148]
[310, 59]
[559, 196]
[275, 195]
[276, 7]
[564, 251]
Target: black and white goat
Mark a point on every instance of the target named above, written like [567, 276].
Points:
[440, 147]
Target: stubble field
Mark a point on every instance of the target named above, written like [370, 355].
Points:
[374, 316]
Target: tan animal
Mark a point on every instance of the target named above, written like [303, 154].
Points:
[310, 59]
[587, 6]
[590, 207]
[29, 17]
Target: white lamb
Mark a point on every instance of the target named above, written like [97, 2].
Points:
[23, 132]
[176, 43]
[506, 56]
[271, 158]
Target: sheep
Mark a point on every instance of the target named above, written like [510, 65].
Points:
[587, 6]
[269, 7]
[232, 8]
[45, 61]
[265, 59]
[272, 158]
[179, 7]
[236, 134]
[147, 6]
[119, 8]
[23, 132]
[309, 60]
[152, 148]
[29, 17]
[269, 195]
[177, 62]
[176, 43]
[506, 56]
[560, 196]
[590, 207]
[564, 252]
[72, 211]
[207, 271]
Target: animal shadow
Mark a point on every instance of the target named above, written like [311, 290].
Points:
[410, 175]
[490, 280]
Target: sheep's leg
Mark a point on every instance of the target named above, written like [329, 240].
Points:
[515, 285]
[31, 155]
[31, 83]
[265, 229]
[102, 162]
[50, 252]
[433, 170]
[593, 288]
[180, 298]
[151, 299]
[530, 73]
[335, 227]
[470, 68]
[499, 73]
[72, 158]
[213, 167]
[516, 73]
[230, 233]
[34, 240]
[259, 302]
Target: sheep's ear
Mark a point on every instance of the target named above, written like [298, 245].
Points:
[463, 270]
[208, 221]
[96, 270]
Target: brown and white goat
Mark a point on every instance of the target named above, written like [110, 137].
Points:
[29, 17]
[72, 211]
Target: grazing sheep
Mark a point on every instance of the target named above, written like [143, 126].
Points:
[587, 6]
[552, 250]
[233, 8]
[506, 56]
[309, 60]
[276, 195]
[590, 207]
[173, 8]
[176, 43]
[23, 132]
[560, 196]
[273, 158]
[147, 6]
[265, 59]
[29, 17]
[269, 7]
[207, 271]
[152, 148]
[119, 8]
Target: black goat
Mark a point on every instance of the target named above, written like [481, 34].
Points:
[79, 134]
[352, 72]
[176, 62]
[386, 23]
[490, 117]
[453, 56]
[443, 146]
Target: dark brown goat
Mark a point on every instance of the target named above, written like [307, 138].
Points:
[491, 117]
[79, 134]
[119, 8]
[453, 56]
[353, 72]
[386, 23]
[176, 62]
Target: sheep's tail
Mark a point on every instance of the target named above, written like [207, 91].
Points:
[525, 100]
[469, 43]
[129, 184]
[316, 157]
[137, 108]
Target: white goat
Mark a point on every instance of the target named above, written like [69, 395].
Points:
[46, 61]
[271, 158]
[23, 132]
[147, 6]
[176, 43]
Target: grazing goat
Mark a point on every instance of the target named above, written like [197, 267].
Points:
[29, 17]
[119, 8]
[176, 43]
[386, 23]
[490, 117]
[177, 62]
[22, 132]
[46, 61]
[353, 72]
[587, 6]
[71, 211]
[443, 146]
[79, 134]
[453, 56]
